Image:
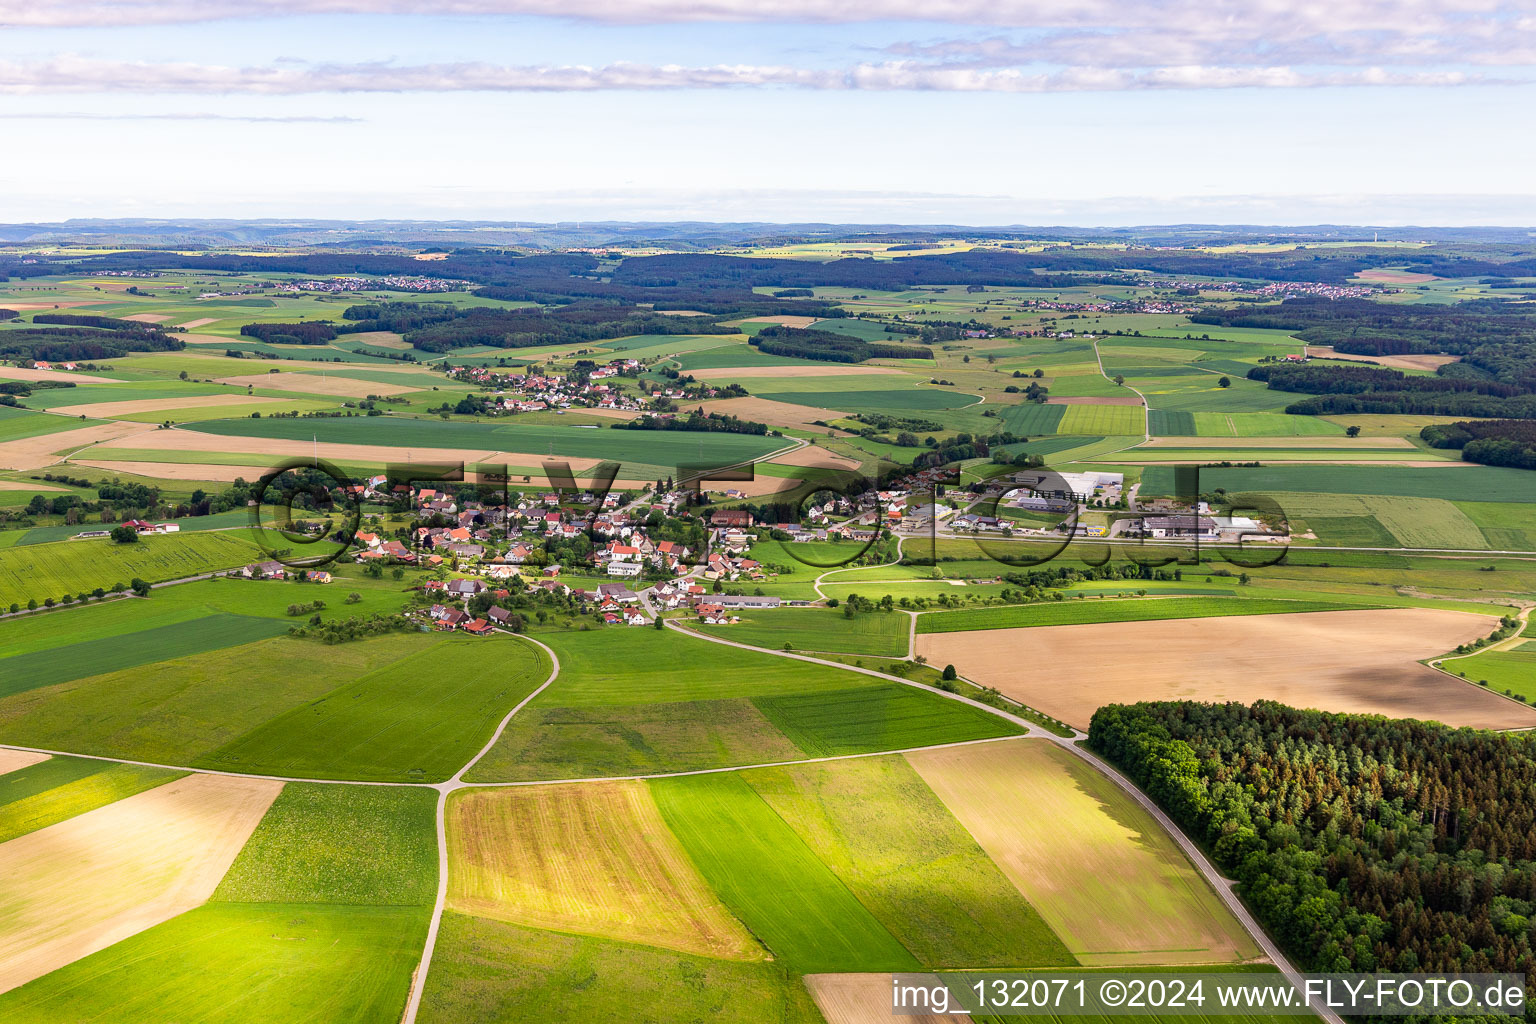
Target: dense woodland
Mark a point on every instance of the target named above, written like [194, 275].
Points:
[1491, 442]
[309, 332]
[436, 327]
[1351, 389]
[830, 346]
[82, 344]
[697, 420]
[1362, 843]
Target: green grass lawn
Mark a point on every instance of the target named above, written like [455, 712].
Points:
[485, 970]
[419, 718]
[772, 880]
[353, 845]
[820, 629]
[50, 791]
[1062, 613]
[882, 831]
[888, 716]
[39, 571]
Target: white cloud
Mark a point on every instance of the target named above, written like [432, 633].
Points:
[69, 74]
[82, 115]
[1285, 17]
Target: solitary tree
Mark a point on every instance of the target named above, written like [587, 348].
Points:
[1225, 382]
[949, 672]
[1352, 431]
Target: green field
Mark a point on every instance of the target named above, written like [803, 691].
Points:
[420, 718]
[1475, 483]
[890, 716]
[353, 845]
[647, 666]
[16, 424]
[1031, 418]
[1505, 670]
[882, 831]
[23, 672]
[50, 791]
[1062, 613]
[544, 742]
[819, 629]
[186, 708]
[322, 917]
[1103, 419]
[39, 571]
[237, 963]
[633, 447]
[487, 970]
[772, 881]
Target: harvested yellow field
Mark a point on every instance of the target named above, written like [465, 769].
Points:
[766, 410]
[23, 485]
[744, 372]
[83, 884]
[1409, 362]
[594, 858]
[27, 373]
[177, 470]
[15, 760]
[380, 339]
[1101, 872]
[785, 320]
[176, 440]
[865, 999]
[756, 487]
[317, 384]
[37, 452]
[191, 325]
[146, 318]
[810, 455]
[108, 410]
[1362, 662]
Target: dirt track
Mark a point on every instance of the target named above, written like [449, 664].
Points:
[1349, 661]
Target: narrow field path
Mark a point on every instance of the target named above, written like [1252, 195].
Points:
[419, 978]
[1146, 409]
[816, 583]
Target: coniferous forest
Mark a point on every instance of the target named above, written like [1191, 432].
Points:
[1362, 843]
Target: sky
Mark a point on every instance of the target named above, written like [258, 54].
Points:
[988, 112]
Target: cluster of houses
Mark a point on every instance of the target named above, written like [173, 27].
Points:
[536, 392]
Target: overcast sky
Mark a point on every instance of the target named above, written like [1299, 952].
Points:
[965, 111]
